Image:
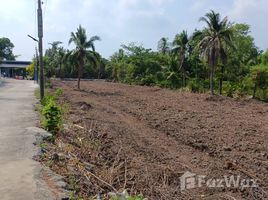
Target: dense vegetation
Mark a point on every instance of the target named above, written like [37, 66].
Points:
[222, 58]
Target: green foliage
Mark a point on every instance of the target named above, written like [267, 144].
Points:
[47, 98]
[196, 85]
[229, 89]
[148, 80]
[245, 86]
[6, 49]
[264, 58]
[51, 114]
[54, 60]
[243, 56]
[30, 70]
[259, 75]
[135, 64]
[52, 117]
[59, 92]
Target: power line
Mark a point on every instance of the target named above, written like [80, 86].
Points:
[45, 8]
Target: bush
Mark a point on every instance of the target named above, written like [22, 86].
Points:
[229, 89]
[259, 76]
[245, 87]
[52, 114]
[47, 98]
[195, 85]
[148, 80]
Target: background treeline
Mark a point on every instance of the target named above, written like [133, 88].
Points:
[222, 58]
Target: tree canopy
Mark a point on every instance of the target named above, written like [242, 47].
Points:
[6, 49]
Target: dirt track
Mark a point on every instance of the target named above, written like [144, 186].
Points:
[158, 134]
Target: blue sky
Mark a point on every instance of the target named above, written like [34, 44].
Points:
[122, 21]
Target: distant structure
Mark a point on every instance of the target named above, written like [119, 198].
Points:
[13, 68]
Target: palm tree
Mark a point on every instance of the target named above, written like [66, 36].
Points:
[61, 59]
[214, 40]
[163, 45]
[84, 51]
[180, 50]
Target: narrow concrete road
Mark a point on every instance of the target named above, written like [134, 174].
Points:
[18, 171]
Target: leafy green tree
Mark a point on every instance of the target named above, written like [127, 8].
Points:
[243, 56]
[264, 58]
[54, 59]
[84, 51]
[6, 49]
[215, 39]
[180, 49]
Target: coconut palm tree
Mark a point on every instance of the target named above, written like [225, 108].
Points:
[214, 41]
[180, 50]
[163, 45]
[84, 51]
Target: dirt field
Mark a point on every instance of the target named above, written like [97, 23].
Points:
[145, 138]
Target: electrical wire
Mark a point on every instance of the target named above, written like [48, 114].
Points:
[35, 18]
[45, 8]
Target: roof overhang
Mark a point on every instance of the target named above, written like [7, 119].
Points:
[14, 64]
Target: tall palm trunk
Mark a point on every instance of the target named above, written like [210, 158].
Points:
[213, 66]
[211, 82]
[60, 73]
[221, 79]
[80, 72]
[182, 68]
[183, 77]
[254, 91]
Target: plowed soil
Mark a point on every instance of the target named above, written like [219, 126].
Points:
[144, 139]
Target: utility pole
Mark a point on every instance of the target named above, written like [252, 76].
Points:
[40, 36]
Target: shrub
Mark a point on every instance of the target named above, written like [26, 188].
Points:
[148, 80]
[195, 85]
[52, 114]
[229, 89]
[259, 76]
[47, 98]
[245, 87]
